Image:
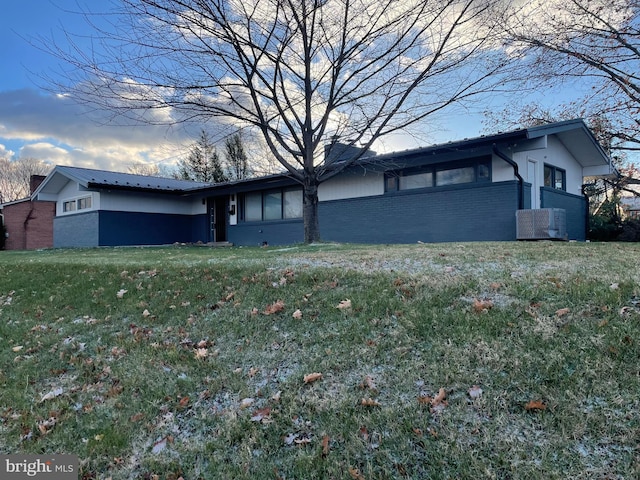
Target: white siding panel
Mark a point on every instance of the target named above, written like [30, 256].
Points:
[351, 186]
[128, 202]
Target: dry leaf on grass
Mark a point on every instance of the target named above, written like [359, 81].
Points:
[355, 474]
[297, 314]
[475, 392]
[344, 304]
[274, 308]
[201, 353]
[261, 415]
[369, 383]
[535, 405]
[480, 306]
[369, 402]
[562, 312]
[312, 377]
[121, 292]
[325, 445]
[56, 392]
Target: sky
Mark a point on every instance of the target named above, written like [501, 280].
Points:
[37, 122]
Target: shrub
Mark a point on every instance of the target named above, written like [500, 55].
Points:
[603, 228]
[630, 231]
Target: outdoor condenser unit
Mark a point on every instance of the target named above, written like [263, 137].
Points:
[541, 224]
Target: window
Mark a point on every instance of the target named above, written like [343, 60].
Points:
[439, 175]
[292, 204]
[272, 205]
[84, 203]
[555, 177]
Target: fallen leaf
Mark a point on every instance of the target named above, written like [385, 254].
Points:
[440, 397]
[480, 306]
[369, 402]
[325, 445]
[56, 392]
[159, 446]
[246, 402]
[274, 308]
[302, 440]
[17, 348]
[184, 401]
[261, 414]
[355, 474]
[121, 292]
[562, 312]
[344, 304]
[369, 383]
[289, 439]
[201, 353]
[614, 286]
[297, 314]
[475, 392]
[535, 405]
[254, 311]
[312, 377]
[146, 313]
[276, 396]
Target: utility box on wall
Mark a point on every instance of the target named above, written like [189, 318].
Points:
[541, 224]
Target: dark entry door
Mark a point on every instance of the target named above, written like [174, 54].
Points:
[218, 219]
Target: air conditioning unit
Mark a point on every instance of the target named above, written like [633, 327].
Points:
[541, 224]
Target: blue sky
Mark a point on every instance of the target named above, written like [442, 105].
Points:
[37, 123]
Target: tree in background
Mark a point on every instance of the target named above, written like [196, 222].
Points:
[236, 160]
[15, 177]
[203, 163]
[563, 41]
[309, 75]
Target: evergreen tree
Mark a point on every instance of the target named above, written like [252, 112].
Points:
[237, 162]
[203, 163]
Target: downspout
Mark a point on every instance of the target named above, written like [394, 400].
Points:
[26, 223]
[516, 173]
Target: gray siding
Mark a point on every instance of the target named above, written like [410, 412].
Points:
[575, 206]
[78, 230]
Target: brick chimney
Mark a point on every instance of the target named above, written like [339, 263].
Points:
[35, 181]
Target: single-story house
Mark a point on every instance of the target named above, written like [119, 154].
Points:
[468, 190]
[28, 223]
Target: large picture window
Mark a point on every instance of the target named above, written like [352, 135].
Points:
[471, 171]
[272, 205]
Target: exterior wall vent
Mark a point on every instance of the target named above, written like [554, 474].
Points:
[541, 224]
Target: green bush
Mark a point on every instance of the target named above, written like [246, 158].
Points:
[603, 228]
[630, 231]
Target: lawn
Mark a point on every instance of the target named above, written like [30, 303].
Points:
[487, 360]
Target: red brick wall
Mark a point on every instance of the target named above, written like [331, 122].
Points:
[29, 224]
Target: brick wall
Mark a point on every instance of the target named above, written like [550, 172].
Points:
[29, 225]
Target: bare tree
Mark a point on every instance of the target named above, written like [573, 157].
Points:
[301, 72]
[596, 41]
[15, 177]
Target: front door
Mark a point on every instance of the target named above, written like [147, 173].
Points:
[217, 219]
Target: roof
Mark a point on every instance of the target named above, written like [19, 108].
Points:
[90, 178]
[573, 134]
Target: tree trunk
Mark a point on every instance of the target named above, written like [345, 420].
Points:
[310, 212]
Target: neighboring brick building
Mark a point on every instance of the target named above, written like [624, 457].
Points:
[29, 223]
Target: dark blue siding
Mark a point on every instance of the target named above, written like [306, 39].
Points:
[461, 213]
[575, 206]
[285, 232]
[133, 228]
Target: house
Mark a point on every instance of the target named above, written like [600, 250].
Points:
[468, 190]
[29, 224]
[631, 207]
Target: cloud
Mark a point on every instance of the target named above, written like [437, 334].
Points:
[54, 128]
